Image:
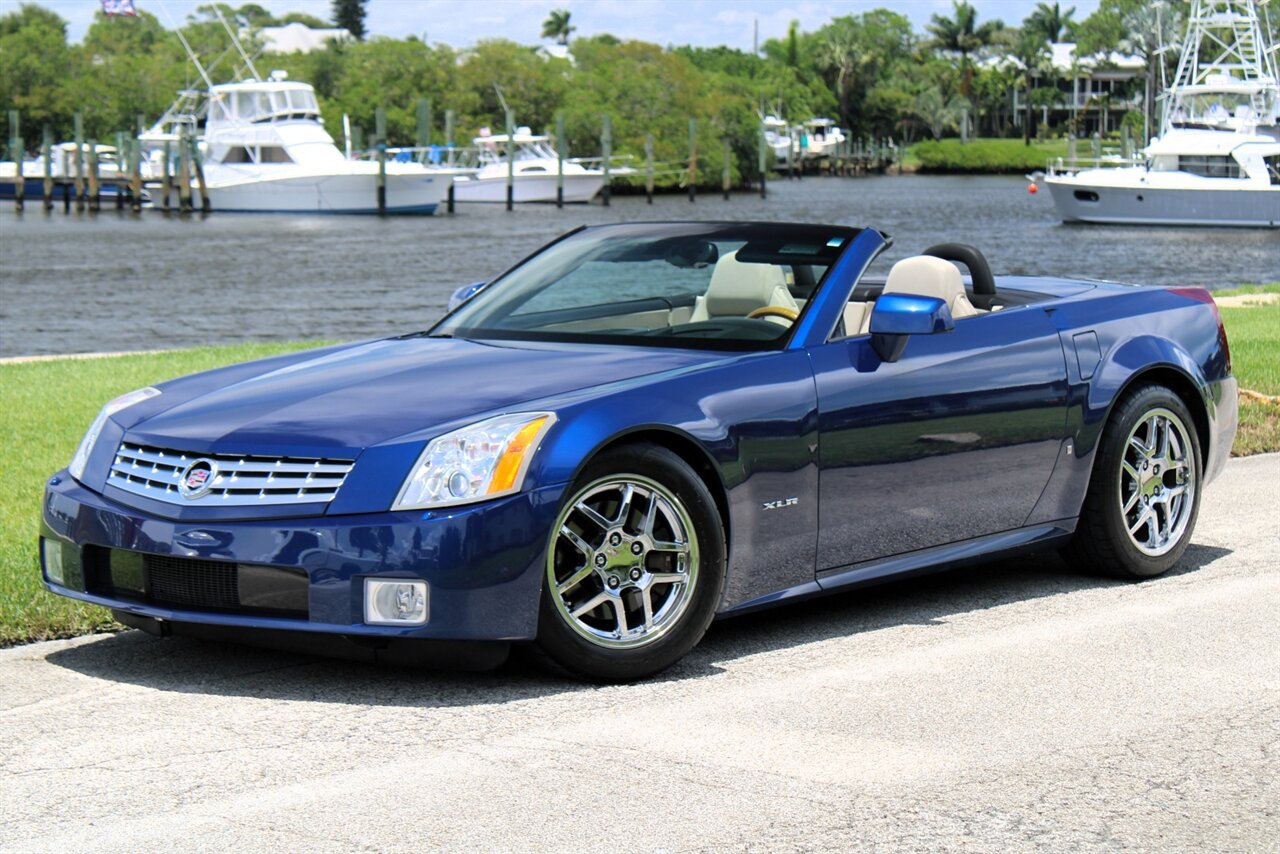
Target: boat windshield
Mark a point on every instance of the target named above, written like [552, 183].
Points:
[264, 105]
[703, 285]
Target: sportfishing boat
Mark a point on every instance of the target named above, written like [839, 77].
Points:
[777, 135]
[535, 170]
[821, 138]
[265, 150]
[1217, 159]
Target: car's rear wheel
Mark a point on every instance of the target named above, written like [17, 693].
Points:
[1144, 494]
[635, 566]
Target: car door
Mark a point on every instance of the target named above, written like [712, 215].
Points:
[955, 440]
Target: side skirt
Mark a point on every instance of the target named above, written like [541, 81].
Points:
[922, 562]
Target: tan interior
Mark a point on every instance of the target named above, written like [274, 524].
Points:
[922, 275]
[738, 289]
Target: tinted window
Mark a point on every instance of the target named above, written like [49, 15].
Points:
[694, 284]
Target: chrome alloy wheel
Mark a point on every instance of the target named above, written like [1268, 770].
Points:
[1157, 482]
[623, 564]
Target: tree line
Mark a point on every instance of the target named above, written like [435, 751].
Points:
[872, 72]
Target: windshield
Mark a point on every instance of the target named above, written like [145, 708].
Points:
[725, 286]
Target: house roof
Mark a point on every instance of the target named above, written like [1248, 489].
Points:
[1063, 57]
[296, 37]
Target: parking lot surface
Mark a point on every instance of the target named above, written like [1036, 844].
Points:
[1016, 706]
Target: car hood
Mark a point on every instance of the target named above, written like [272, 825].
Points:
[371, 393]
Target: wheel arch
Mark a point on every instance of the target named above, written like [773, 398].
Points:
[1151, 360]
[1184, 387]
[684, 446]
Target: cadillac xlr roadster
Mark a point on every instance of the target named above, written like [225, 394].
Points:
[641, 428]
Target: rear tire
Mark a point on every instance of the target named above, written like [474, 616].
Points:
[635, 567]
[1144, 493]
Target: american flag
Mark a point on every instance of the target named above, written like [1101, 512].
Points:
[118, 7]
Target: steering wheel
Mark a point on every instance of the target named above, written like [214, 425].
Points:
[775, 311]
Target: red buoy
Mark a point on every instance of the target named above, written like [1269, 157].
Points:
[1033, 189]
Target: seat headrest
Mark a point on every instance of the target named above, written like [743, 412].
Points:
[926, 276]
[738, 289]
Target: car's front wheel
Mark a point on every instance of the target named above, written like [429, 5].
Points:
[1144, 494]
[635, 566]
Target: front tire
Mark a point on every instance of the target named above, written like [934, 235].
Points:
[635, 567]
[1144, 493]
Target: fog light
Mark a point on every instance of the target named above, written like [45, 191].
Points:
[51, 554]
[395, 603]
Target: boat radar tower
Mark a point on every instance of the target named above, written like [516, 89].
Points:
[1226, 77]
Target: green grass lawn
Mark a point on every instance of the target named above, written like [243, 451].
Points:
[983, 156]
[1254, 335]
[48, 405]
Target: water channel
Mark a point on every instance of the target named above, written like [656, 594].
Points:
[115, 281]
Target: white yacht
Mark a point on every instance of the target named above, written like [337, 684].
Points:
[1217, 160]
[62, 165]
[777, 135]
[534, 172]
[822, 137]
[265, 150]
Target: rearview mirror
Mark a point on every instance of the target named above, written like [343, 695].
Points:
[895, 316]
[465, 293]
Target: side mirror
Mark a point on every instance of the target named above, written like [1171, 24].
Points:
[465, 293]
[895, 316]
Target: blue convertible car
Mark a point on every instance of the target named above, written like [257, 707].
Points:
[640, 428]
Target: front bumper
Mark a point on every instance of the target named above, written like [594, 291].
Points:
[483, 563]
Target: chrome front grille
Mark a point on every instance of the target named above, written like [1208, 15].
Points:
[238, 480]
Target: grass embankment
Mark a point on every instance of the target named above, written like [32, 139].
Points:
[981, 156]
[1253, 330]
[48, 405]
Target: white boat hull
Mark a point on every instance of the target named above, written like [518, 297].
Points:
[528, 188]
[352, 192]
[1078, 201]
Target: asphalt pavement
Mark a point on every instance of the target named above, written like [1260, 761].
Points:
[1016, 706]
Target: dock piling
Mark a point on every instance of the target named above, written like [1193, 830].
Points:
[559, 160]
[165, 183]
[448, 144]
[184, 173]
[205, 205]
[95, 188]
[380, 144]
[17, 153]
[135, 175]
[79, 141]
[46, 156]
[120, 161]
[511, 160]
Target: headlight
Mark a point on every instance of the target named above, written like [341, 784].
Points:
[124, 401]
[476, 463]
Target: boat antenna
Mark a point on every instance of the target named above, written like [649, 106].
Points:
[191, 54]
[501, 100]
[235, 40]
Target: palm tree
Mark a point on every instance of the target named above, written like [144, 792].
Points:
[1031, 51]
[963, 35]
[1050, 21]
[936, 113]
[846, 61]
[557, 26]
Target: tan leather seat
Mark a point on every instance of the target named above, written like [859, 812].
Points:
[927, 276]
[737, 289]
[857, 317]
